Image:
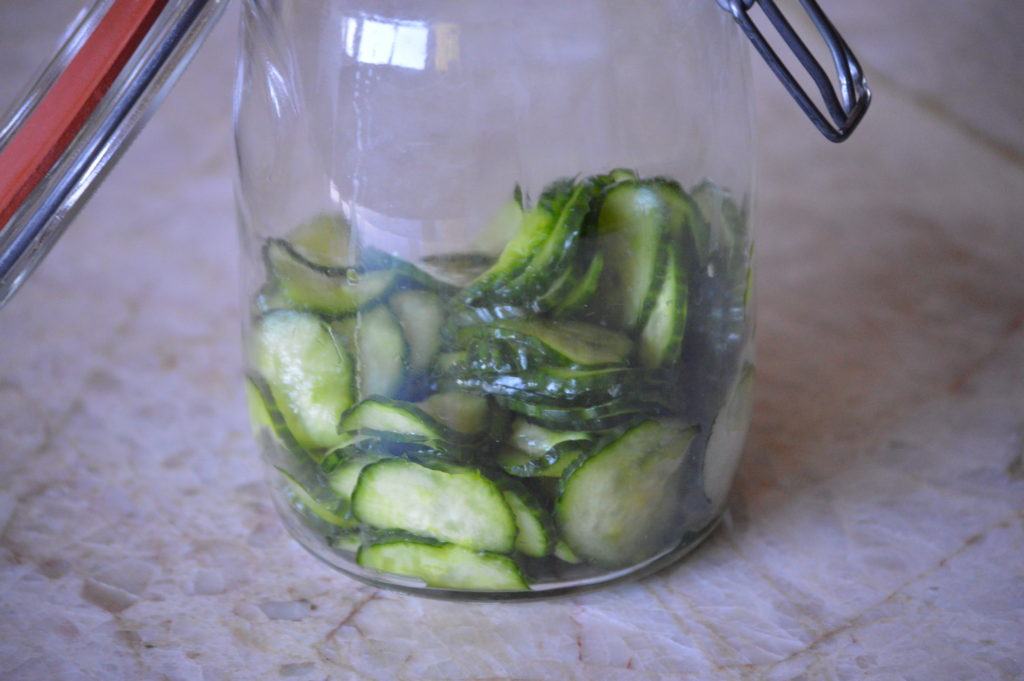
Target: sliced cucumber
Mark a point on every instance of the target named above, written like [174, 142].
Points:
[268, 299]
[259, 411]
[535, 527]
[328, 290]
[347, 540]
[345, 474]
[620, 506]
[391, 416]
[421, 314]
[584, 289]
[502, 227]
[548, 464]
[309, 373]
[333, 512]
[449, 361]
[536, 439]
[264, 415]
[456, 504]
[380, 444]
[722, 224]
[563, 342]
[661, 340]
[457, 269]
[564, 553]
[411, 277]
[324, 241]
[465, 414]
[554, 386]
[640, 222]
[553, 256]
[534, 231]
[380, 352]
[558, 291]
[725, 444]
[611, 414]
[444, 566]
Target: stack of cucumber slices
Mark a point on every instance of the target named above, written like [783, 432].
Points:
[551, 415]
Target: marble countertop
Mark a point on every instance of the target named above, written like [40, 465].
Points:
[877, 525]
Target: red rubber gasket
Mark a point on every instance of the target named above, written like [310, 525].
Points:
[53, 124]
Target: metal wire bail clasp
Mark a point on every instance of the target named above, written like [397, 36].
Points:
[847, 108]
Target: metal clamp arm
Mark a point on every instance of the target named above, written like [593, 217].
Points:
[845, 108]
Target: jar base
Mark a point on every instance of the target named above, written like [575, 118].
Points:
[312, 543]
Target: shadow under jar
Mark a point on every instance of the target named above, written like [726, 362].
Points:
[497, 267]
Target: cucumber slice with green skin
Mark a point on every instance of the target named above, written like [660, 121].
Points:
[564, 342]
[324, 241]
[721, 226]
[379, 444]
[421, 314]
[564, 553]
[455, 504]
[536, 439]
[622, 175]
[461, 316]
[554, 386]
[265, 416]
[597, 417]
[465, 414]
[559, 249]
[256, 399]
[560, 288]
[548, 464]
[331, 291]
[661, 340]
[411, 277]
[268, 299]
[449, 361]
[380, 351]
[310, 375]
[502, 227]
[345, 474]
[534, 231]
[347, 540]
[639, 223]
[444, 566]
[536, 529]
[725, 444]
[332, 511]
[619, 506]
[457, 269]
[392, 416]
[584, 290]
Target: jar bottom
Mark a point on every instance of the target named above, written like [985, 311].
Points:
[313, 543]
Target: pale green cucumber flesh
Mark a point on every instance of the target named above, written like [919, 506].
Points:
[421, 314]
[534, 537]
[329, 291]
[310, 374]
[620, 506]
[463, 413]
[444, 566]
[661, 340]
[457, 505]
[725, 443]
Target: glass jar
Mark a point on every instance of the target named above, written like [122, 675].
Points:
[498, 267]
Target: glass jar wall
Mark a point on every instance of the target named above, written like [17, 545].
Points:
[497, 263]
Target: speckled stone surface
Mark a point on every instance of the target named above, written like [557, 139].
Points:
[877, 527]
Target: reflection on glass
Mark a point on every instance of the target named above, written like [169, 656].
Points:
[397, 43]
